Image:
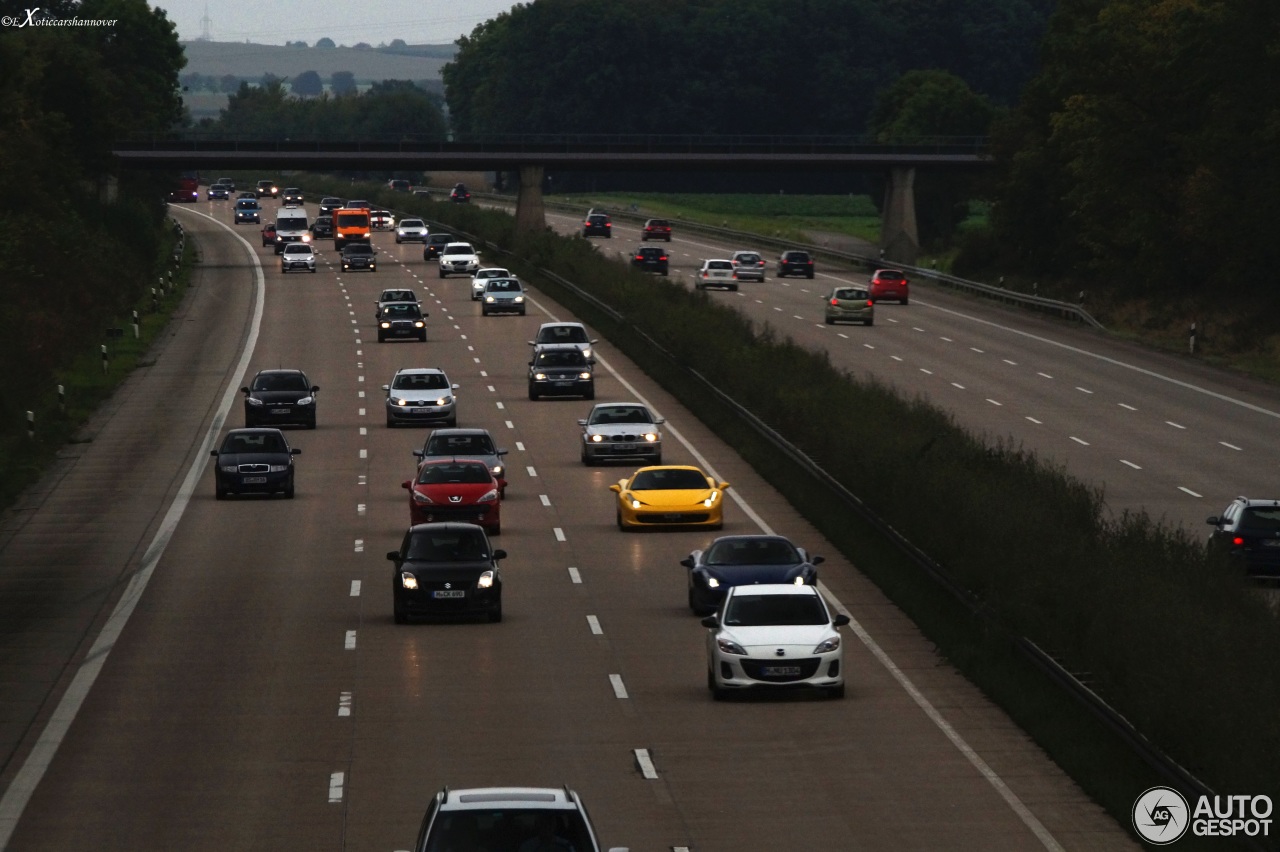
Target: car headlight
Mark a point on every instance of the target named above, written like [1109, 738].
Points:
[399, 401]
[541, 377]
[277, 468]
[635, 504]
[518, 300]
[489, 299]
[713, 583]
[419, 324]
[385, 324]
[595, 439]
[306, 238]
[488, 496]
[711, 499]
[421, 499]
[496, 470]
[651, 436]
[407, 580]
[486, 579]
[230, 468]
[586, 353]
[444, 400]
[365, 235]
[251, 401]
[728, 646]
[584, 375]
[827, 646]
[798, 581]
[306, 400]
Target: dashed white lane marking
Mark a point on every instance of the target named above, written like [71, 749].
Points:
[492, 389]
[1189, 491]
[1129, 407]
[546, 501]
[993, 402]
[484, 374]
[645, 764]
[362, 479]
[976, 349]
[559, 534]
[364, 454]
[1046, 375]
[1010, 363]
[349, 643]
[957, 385]
[362, 412]
[594, 624]
[1175, 425]
[841, 334]
[355, 588]
[359, 394]
[1083, 390]
[1230, 446]
[364, 430]
[533, 473]
[1131, 464]
[336, 780]
[926, 372]
[574, 575]
[359, 547]
[344, 704]
[500, 406]
[868, 346]
[360, 509]
[895, 357]
[916, 328]
[947, 339]
[1035, 421]
[1080, 441]
[359, 378]
[619, 688]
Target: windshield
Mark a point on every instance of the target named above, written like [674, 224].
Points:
[619, 414]
[357, 248]
[459, 248]
[254, 442]
[509, 829]
[1260, 520]
[771, 610]
[459, 445]
[280, 382]
[567, 358]
[297, 248]
[460, 473]
[291, 224]
[448, 545]
[401, 310]
[669, 480]
[502, 285]
[753, 551]
[398, 296]
[421, 381]
[719, 264]
[563, 334]
[352, 220]
[411, 223]
[851, 294]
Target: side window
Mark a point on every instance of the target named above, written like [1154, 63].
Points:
[1231, 517]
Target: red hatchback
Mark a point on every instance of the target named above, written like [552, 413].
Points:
[455, 490]
[889, 284]
[656, 229]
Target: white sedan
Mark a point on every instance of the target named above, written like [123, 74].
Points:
[716, 273]
[459, 259]
[411, 231]
[774, 636]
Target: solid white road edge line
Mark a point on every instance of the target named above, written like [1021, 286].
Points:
[37, 763]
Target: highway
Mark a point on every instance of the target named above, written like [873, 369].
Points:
[227, 675]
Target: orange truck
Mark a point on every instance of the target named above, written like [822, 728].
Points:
[351, 225]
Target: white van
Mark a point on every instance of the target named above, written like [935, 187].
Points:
[292, 227]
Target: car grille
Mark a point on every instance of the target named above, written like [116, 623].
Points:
[444, 512]
[401, 326]
[754, 669]
[625, 438]
[674, 518]
[254, 468]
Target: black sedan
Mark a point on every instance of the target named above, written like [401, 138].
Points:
[446, 569]
[254, 461]
[280, 396]
[435, 244]
[741, 560]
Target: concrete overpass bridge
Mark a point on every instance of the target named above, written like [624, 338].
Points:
[531, 155]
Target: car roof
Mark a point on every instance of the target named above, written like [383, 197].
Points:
[256, 430]
[468, 245]
[773, 589]
[443, 525]
[549, 798]
[451, 430]
[279, 371]
[556, 347]
[419, 371]
[561, 325]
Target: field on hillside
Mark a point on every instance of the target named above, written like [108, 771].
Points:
[254, 60]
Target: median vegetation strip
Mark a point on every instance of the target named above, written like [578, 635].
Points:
[1169, 637]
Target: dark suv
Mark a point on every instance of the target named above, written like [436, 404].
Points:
[460, 194]
[1248, 532]
[650, 259]
[597, 225]
[656, 229]
[560, 369]
[435, 243]
[795, 263]
[446, 569]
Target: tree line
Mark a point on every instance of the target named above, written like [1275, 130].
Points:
[389, 109]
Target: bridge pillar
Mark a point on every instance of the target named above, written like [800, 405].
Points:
[530, 214]
[899, 239]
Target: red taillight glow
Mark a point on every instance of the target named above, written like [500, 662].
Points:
[1238, 541]
[835, 301]
[870, 303]
[664, 257]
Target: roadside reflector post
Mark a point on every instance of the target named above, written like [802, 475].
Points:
[1192, 343]
[62, 400]
[136, 329]
[104, 358]
[31, 424]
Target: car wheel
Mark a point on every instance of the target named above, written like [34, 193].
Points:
[665, 273]
[311, 424]
[830, 321]
[382, 338]
[809, 276]
[657, 460]
[398, 241]
[716, 692]
[586, 459]
[835, 691]
[868, 322]
[495, 615]
[733, 287]
[533, 394]
[313, 270]
[288, 490]
[617, 516]
[497, 529]
[219, 493]
[693, 603]
[443, 274]
[522, 313]
[399, 614]
[452, 421]
[423, 337]
[904, 301]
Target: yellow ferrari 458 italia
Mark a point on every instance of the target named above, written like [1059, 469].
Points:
[669, 495]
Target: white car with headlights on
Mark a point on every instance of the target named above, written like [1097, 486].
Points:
[482, 275]
[621, 430]
[411, 231]
[774, 636]
[459, 259]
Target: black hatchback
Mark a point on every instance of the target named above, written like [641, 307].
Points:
[435, 244]
[1248, 532]
[650, 259]
[280, 396]
[446, 569]
[254, 461]
[795, 263]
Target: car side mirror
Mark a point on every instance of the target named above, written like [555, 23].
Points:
[419, 454]
[595, 340]
[687, 562]
[531, 343]
[840, 620]
[213, 453]
[500, 453]
[591, 362]
[1215, 520]
[244, 390]
[499, 554]
[616, 488]
[711, 621]
[723, 485]
[659, 422]
[295, 451]
[315, 388]
[408, 483]
[386, 388]
[582, 423]
[817, 560]
[393, 555]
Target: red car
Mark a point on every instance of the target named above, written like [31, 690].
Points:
[656, 229]
[889, 284]
[269, 234]
[455, 490]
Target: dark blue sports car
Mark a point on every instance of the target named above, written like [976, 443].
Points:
[742, 560]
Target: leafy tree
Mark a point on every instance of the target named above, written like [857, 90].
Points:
[228, 83]
[397, 44]
[362, 45]
[342, 83]
[295, 44]
[325, 42]
[307, 83]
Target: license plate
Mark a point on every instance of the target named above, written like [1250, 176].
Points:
[780, 671]
[420, 410]
[279, 411]
[562, 384]
[624, 448]
[1271, 542]
[450, 593]
[255, 480]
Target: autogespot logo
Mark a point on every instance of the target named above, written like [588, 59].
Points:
[1160, 816]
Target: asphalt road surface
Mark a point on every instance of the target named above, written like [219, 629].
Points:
[184, 673]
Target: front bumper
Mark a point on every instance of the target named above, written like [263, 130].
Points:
[822, 671]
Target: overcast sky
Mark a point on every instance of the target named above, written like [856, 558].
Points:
[372, 21]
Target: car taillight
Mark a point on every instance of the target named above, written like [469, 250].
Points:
[809, 263]
[1238, 541]
[664, 257]
[835, 301]
[870, 303]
